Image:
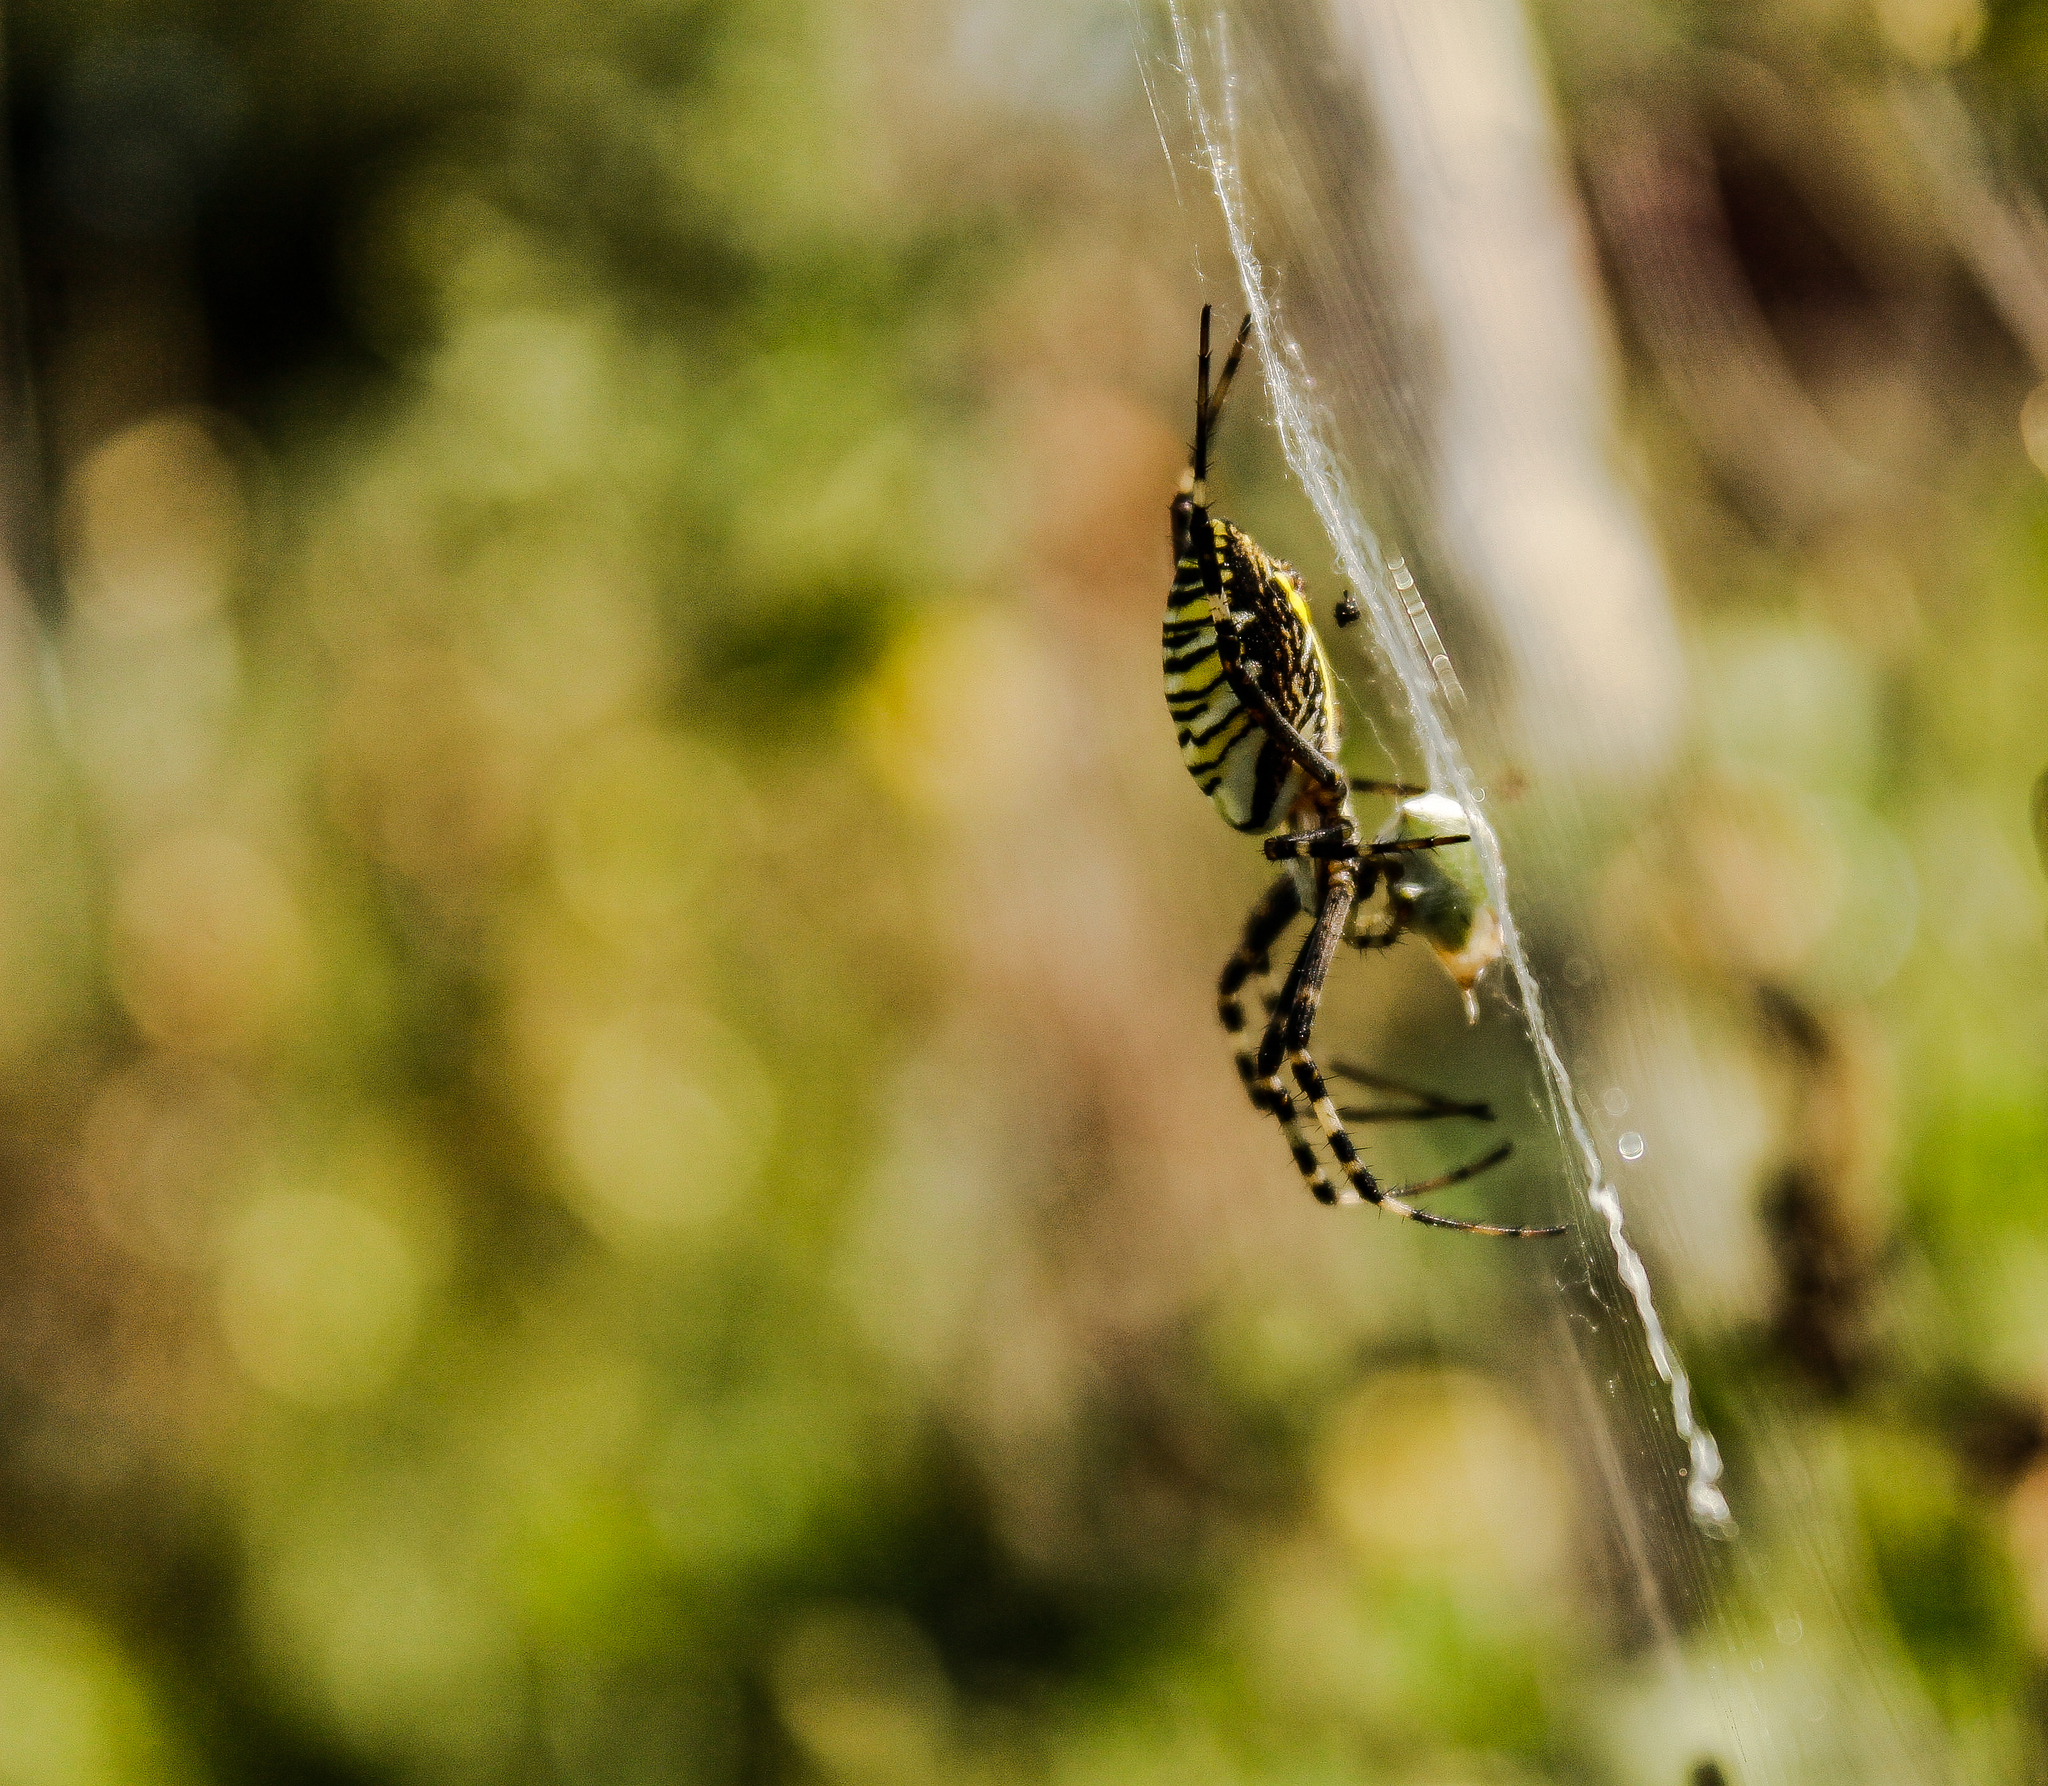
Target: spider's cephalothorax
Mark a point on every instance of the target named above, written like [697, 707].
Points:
[1254, 702]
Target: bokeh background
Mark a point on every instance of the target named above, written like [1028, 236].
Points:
[615, 1163]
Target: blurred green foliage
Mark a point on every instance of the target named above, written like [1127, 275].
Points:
[613, 1155]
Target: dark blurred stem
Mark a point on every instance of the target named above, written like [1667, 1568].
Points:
[25, 531]
[1998, 230]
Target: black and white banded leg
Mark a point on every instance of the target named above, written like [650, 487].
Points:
[1286, 1040]
[1277, 908]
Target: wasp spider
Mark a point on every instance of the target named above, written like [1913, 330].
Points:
[1253, 697]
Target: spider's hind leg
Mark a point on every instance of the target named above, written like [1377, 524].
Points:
[1422, 1104]
[1277, 908]
[1287, 1031]
[1362, 1187]
[1287, 1036]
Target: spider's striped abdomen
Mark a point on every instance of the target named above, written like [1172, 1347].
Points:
[1250, 777]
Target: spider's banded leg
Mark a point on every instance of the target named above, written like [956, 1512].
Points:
[1295, 1015]
[1458, 1175]
[1288, 1033]
[1277, 908]
[1339, 843]
[1361, 786]
[1230, 363]
[1429, 1103]
[1364, 1188]
[1296, 1009]
[1405, 846]
[1421, 1187]
[1208, 408]
[1328, 843]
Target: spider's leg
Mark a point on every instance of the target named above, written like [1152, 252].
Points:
[1209, 408]
[1403, 846]
[1362, 1187]
[1458, 1175]
[1359, 785]
[1326, 843]
[1424, 1105]
[1293, 1015]
[1339, 843]
[1288, 1035]
[1277, 908]
[1302, 996]
[1371, 1113]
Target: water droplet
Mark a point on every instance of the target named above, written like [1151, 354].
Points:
[1631, 1145]
[1616, 1101]
[1790, 1630]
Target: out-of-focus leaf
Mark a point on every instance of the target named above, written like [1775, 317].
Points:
[2040, 814]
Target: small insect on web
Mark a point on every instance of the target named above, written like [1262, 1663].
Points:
[1253, 700]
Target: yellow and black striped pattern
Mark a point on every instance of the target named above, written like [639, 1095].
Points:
[1249, 775]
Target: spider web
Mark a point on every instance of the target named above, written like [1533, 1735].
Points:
[1364, 232]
